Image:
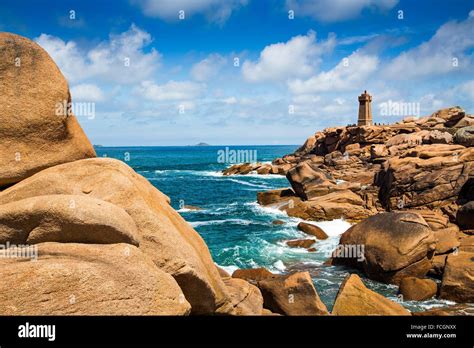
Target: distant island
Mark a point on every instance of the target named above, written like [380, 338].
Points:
[202, 144]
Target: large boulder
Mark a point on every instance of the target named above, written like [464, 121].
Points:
[308, 181]
[388, 246]
[66, 219]
[164, 235]
[86, 279]
[465, 136]
[36, 131]
[458, 277]
[245, 298]
[354, 298]
[300, 243]
[312, 230]
[292, 294]
[417, 289]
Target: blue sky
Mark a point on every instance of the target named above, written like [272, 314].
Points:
[155, 79]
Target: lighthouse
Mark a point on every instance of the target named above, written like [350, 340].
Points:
[365, 110]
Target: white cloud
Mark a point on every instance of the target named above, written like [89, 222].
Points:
[208, 67]
[86, 92]
[170, 91]
[466, 89]
[230, 100]
[215, 10]
[437, 55]
[297, 57]
[350, 74]
[337, 10]
[120, 59]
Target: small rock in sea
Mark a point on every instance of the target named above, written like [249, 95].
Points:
[300, 243]
[312, 230]
[278, 222]
[311, 250]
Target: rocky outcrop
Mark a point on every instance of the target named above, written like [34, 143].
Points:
[275, 196]
[259, 168]
[340, 204]
[37, 127]
[388, 247]
[414, 163]
[86, 279]
[417, 289]
[427, 176]
[354, 298]
[65, 219]
[308, 181]
[292, 294]
[164, 236]
[465, 136]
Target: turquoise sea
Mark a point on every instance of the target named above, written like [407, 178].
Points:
[239, 232]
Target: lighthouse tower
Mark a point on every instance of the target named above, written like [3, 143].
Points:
[365, 110]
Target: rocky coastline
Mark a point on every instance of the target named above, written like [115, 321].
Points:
[107, 242]
[408, 190]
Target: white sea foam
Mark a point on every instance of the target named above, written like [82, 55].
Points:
[187, 210]
[331, 227]
[259, 176]
[191, 172]
[262, 210]
[279, 265]
[220, 222]
[249, 184]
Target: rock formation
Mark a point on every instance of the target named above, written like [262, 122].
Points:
[417, 289]
[354, 298]
[88, 279]
[36, 130]
[419, 169]
[394, 246]
[162, 234]
[108, 242]
[293, 294]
